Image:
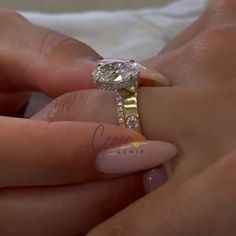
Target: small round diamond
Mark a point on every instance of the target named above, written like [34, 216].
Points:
[132, 122]
[121, 121]
[119, 97]
[119, 104]
[120, 109]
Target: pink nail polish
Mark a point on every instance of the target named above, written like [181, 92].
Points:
[154, 178]
[135, 157]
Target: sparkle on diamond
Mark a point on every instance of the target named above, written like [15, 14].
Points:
[116, 75]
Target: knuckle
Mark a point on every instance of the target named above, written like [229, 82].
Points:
[88, 104]
[51, 42]
[61, 107]
[53, 45]
[83, 101]
[66, 106]
[97, 100]
[90, 99]
[81, 105]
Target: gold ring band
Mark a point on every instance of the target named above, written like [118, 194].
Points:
[123, 76]
[130, 107]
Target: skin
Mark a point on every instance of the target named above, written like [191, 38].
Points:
[199, 198]
[205, 158]
[43, 61]
[197, 114]
[47, 175]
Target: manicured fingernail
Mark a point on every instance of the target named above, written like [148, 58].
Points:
[149, 73]
[135, 157]
[154, 178]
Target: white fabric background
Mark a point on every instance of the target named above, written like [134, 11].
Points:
[79, 5]
[133, 34]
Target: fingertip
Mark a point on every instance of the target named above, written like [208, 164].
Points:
[154, 178]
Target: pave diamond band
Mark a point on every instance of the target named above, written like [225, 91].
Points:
[123, 77]
[120, 108]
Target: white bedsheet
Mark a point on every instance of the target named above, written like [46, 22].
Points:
[136, 34]
[133, 34]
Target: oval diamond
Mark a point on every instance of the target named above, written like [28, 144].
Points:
[115, 75]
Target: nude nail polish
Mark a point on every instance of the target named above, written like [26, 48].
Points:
[135, 157]
[154, 178]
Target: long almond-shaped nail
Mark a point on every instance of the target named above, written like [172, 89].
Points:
[135, 157]
[152, 74]
[154, 178]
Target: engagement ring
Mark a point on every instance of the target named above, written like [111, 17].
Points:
[124, 76]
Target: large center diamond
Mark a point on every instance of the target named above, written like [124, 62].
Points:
[116, 75]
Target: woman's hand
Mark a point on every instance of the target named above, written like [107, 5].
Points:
[36, 156]
[196, 112]
[199, 199]
[49, 184]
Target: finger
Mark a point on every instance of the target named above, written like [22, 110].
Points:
[156, 119]
[69, 210]
[43, 60]
[218, 12]
[54, 153]
[182, 207]
[187, 35]
[86, 106]
[198, 77]
[81, 106]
